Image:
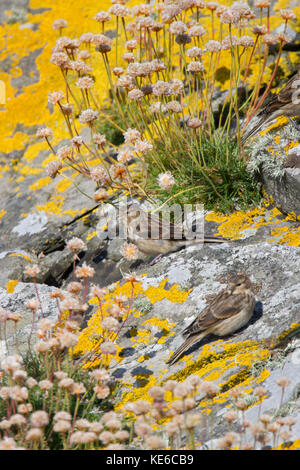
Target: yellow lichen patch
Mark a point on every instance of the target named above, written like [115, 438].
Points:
[263, 376]
[152, 327]
[288, 236]
[22, 256]
[53, 206]
[90, 336]
[27, 170]
[41, 183]
[280, 122]
[33, 151]
[62, 185]
[291, 446]
[2, 213]
[10, 286]
[155, 294]
[233, 225]
[91, 235]
[211, 365]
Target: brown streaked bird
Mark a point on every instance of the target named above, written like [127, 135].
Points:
[285, 103]
[227, 312]
[168, 237]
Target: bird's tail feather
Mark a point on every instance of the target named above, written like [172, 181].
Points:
[207, 240]
[216, 239]
[254, 130]
[186, 345]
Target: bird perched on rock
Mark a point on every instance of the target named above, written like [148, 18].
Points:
[227, 312]
[169, 237]
[285, 103]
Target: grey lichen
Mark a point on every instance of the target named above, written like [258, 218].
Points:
[142, 304]
[17, 15]
[261, 158]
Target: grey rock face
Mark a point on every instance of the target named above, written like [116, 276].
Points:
[278, 301]
[285, 191]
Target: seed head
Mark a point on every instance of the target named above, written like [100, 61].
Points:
[55, 97]
[53, 168]
[88, 116]
[287, 15]
[39, 419]
[76, 244]
[59, 24]
[129, 251]
[283, 382]
[101, 195]
[166, 180]
[195, 67]
[102, 17]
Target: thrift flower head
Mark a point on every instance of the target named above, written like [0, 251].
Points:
[130, 251]
[166, 180]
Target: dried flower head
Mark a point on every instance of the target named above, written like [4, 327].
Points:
[65, 152]
[88, 116]
[270, 39]
[194, 52]
[85, 83]
[195, 67]
[39, 419]
[135, 94]
[76, 244]
[262, 3]
[32, 270]
[100, 195]
[283, 382]
[55, 97]
[154, 442]
[197, 31]
[166, 180]
[53, 168]
[102, 17]
[246, 41]
[213, 46]
[287, 15]
[230, 16]
[108, 348]
[194, 123]
[59, 24]
[130, 252]
[178, 27]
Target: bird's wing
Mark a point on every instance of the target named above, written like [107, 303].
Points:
[224, 305]
[152, 226]
[283, 97]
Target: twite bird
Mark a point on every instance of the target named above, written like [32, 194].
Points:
[285, 103]
[226, 313]
[169, 237]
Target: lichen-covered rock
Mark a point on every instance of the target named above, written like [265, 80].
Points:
[198, 273]
[174, 291]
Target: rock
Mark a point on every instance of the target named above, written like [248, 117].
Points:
[285, 191]
[247, 358]
[277, 168]
[202, 269]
